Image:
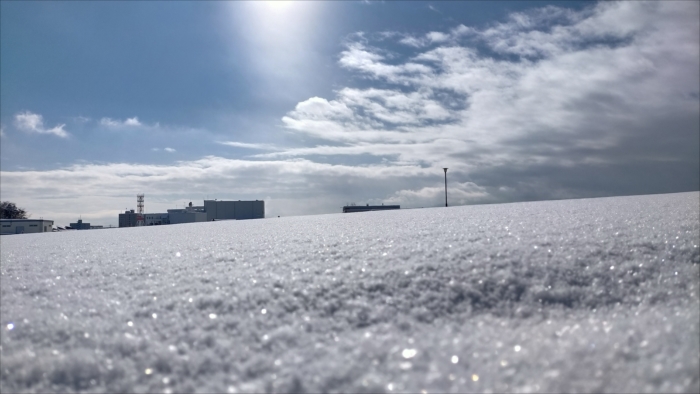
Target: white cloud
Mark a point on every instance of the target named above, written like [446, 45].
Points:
[171, 150]
[247, 145]
[437, 37]
[34, 123]
[132, 122]
[434, 9]
[127, 123]
[458, 194]
[574, 87]
[360, 58]
[412, 41]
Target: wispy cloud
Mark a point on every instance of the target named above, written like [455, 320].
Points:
[127, 123]
[432, 8]
[34, 123]
[81, 119]
[459, 194]
[248, 145]
[170, 150]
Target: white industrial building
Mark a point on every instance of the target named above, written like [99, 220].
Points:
[189, 214]
[25, 226]
[156, 219]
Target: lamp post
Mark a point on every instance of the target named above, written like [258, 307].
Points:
[445, 169]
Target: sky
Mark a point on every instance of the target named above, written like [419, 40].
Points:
[314, 105]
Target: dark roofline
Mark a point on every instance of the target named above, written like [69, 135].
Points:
[26, 220]
[365, 208]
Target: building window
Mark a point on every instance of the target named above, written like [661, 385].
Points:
[33, 225]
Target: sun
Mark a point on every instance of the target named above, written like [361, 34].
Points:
[277, 6]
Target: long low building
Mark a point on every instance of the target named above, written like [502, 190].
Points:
[365, 208]
[25, 226]
[178, 216]
[239, 210]
[210, 211]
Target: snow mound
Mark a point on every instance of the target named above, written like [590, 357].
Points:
[596, 295]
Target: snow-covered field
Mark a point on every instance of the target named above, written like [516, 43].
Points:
[598, 295]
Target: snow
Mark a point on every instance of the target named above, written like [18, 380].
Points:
[595, 295]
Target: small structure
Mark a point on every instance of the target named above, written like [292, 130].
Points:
[360, 208]
[80, 225]
[25, 226]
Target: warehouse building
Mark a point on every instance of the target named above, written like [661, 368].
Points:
[365, 208]
[25, 226]
[239, 210]
[190, 214]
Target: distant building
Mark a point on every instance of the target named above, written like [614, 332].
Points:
[80, 225]
[156, 219]
[239, 210]
[178, 216]
[211, 210]
[360, 208]
[25, 226]
[127, 219]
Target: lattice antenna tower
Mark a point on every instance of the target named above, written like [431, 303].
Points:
[139, 203]
[139, 210]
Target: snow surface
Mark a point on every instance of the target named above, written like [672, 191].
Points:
[596, 295]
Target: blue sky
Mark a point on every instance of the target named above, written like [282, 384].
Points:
[313, 105]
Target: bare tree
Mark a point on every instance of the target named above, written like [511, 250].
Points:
[11, 211]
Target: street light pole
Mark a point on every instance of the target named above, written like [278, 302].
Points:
[445, 169]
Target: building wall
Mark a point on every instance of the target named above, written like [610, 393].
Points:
[156, 219]
[238, 210]
[258, 209]
[225, 210]
[210, 208]
[25, 226]
[182, 216]
[80, 225]
[127, 219]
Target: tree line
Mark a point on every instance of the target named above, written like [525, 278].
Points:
[11, 211]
